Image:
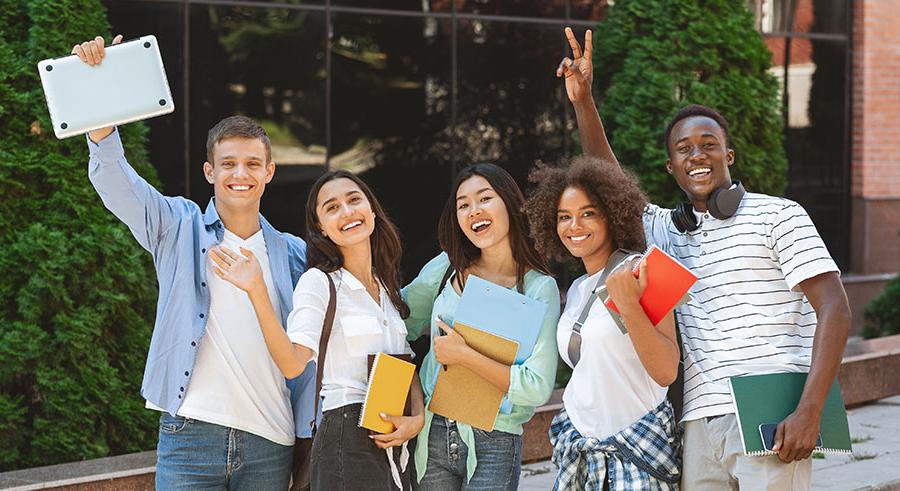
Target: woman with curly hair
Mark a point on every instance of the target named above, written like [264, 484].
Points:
[616, 430]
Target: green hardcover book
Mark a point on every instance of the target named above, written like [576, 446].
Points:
[769, 399]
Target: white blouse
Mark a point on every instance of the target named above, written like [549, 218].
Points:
[361, 327]
[610, 389]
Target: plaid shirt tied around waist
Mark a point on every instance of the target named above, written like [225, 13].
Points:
[644, 456]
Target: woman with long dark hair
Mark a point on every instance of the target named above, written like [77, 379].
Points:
[351, 240]
[483, 232]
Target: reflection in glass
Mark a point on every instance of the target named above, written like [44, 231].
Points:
[511, 105]
[517, 8]
[589, 9]
[816, 16]
[407, 5]
[269, 64]
[816, 137]
[166, 138]
[391, 113]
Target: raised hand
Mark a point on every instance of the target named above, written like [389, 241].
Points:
[579, 69]
[242, 270]
[92, 53]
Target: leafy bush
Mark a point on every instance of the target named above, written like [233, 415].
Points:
[77, 296]
[883, 312]
[653, 57]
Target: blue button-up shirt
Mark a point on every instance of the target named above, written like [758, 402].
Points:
[178, 234]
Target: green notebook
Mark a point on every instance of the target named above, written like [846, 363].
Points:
[763, 399]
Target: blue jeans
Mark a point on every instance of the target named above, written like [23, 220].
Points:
[499, 459]
[193, 455]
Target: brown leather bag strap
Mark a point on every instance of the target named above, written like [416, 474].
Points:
[323, 342]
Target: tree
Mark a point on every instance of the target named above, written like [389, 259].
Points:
[653, 57]
[77, 296]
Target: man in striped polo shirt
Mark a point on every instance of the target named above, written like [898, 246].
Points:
[768, 299]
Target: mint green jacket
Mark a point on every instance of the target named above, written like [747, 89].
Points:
[530, 383]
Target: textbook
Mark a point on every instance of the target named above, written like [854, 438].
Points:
[764, 400]
[501, 311]
[462, 394]
[668, 284]
[387, 392]
[504, 312]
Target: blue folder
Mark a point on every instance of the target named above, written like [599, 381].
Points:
[504, 312]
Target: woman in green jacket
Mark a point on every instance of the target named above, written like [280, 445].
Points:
[483, 232]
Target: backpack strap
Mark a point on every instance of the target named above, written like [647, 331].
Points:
[323, 341]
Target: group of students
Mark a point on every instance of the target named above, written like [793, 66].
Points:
[234, 369]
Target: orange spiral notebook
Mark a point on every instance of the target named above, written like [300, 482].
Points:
[668, 283]
[387, 391]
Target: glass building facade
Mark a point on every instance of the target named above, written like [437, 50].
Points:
[407, 92]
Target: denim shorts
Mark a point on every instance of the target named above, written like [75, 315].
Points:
[499, 459]
[197, 455]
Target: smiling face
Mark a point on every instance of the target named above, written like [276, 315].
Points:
[582, 228]
[239, 173]
[699, 158]
[344, 213]
[481, 213]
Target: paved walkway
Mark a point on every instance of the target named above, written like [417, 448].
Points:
[874, 464]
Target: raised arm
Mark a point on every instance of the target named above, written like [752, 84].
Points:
[126, 194]
[579, 75]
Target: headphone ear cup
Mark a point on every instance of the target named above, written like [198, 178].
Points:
[683, 218]
[723, 203]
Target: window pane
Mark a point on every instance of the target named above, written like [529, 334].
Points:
[816, 137]
[166, 138]
[391, 118]
[408, 5]
[511, 105]
[517, 8]
[589, 9]
[269, 64]
[821, 16]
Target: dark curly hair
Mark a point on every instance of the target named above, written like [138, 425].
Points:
[613, 190]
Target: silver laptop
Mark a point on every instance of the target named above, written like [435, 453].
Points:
[128, 85]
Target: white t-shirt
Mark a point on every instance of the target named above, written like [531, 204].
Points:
[235, 382]
[361, 327]
[610, 389]
[747, 314]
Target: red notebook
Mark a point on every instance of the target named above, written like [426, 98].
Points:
[668, 283]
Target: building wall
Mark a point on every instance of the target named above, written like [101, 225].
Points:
[875, 159]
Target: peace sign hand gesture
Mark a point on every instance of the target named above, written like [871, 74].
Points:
[578, 70]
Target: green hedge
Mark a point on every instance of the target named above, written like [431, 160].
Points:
[652, 57]
[883, 312]
[77, 296]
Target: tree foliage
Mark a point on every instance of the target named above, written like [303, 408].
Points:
[77, 296]
[883, 312]
[653, 57]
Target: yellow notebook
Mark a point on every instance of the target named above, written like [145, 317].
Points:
[388, 387]
[465, 396]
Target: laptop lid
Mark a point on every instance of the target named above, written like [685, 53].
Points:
[128, 85]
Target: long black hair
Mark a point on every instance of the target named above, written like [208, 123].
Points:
[461, 251]
[386, 249]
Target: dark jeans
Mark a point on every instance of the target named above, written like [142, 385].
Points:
[196, 455]
[345, 458]
[499, 459]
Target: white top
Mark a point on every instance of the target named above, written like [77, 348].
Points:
[361, 327]
[747, 315]
[235, 382]
[610, 389]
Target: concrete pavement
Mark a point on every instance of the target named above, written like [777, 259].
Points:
[873, 466]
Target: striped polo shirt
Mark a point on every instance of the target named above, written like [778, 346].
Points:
[747, 314]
